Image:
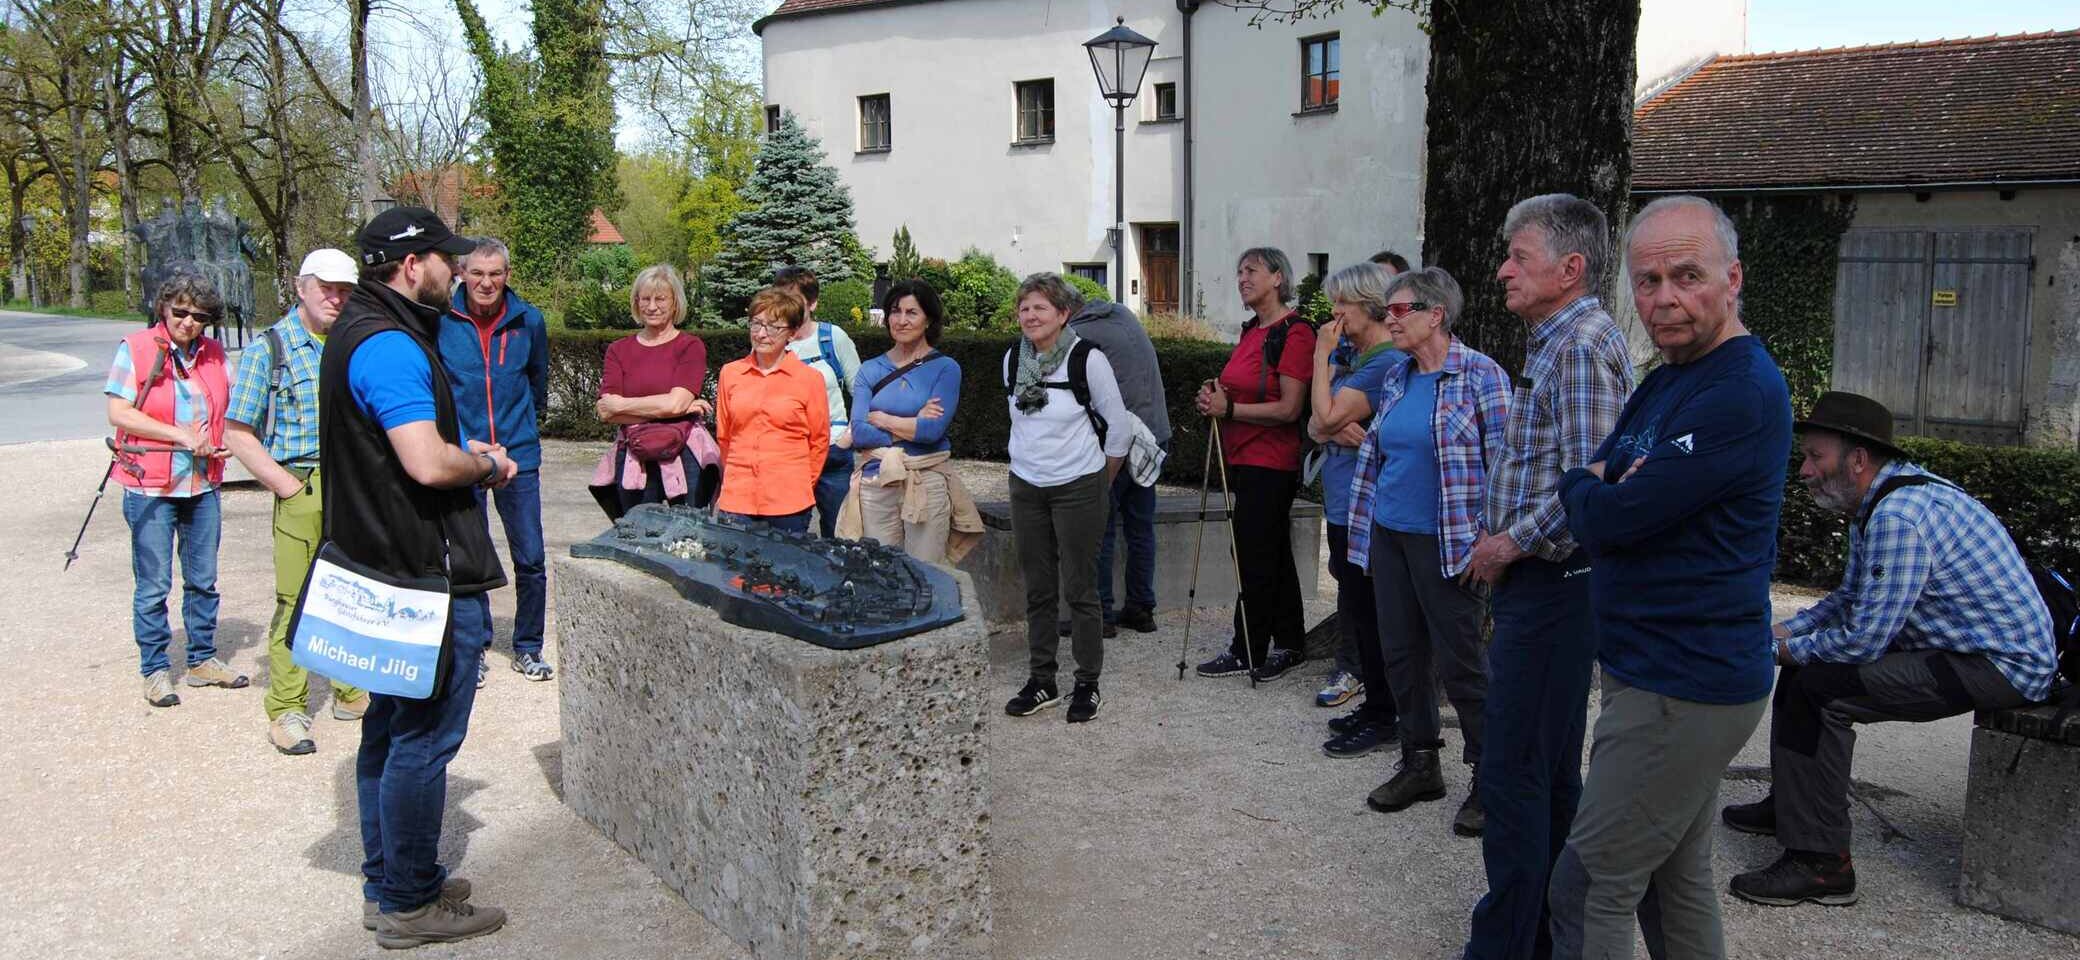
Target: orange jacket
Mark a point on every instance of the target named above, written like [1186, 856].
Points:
[774, 428]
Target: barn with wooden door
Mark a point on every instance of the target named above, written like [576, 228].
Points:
[1957, 293]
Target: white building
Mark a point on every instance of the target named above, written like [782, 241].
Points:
[978, 124]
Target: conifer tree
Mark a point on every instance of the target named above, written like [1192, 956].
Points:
[903, 260]
[796, 213]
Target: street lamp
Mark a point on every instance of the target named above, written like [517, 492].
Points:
[1119, 57]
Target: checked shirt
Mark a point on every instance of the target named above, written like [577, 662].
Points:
[1577, 375]
[295, 426]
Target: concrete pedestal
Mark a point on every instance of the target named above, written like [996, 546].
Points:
[811, 803]
[2022, 818]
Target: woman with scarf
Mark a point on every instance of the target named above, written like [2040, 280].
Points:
[651, 391]
[1063, 459]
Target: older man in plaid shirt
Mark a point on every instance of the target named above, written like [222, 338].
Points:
[1936, 615]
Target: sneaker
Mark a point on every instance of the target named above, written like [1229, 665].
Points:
[353, 709]
[1416, 779]
[1225, 665]
[1472, 818]
[1035, 696]
[214, 673]
[1138, 619]
[483, 672]
[1342, 686]
[1348, 723]
[1083, 701]
[1361, 740]
[291, 733]
[451, 889]
[1275, 665]
[1759, 817]
[533, 667]
[1799, 877]
[158, 690]
[1064, 628]
[442, 921]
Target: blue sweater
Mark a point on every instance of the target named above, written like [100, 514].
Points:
[1683, 550]
[939, 376]
[500, 391]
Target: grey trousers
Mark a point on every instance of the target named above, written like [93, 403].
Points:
[1430, 626]
[1057, 530]
[1812, 737]
[1642, 839]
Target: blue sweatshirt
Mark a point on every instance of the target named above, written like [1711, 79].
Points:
[1683, 550]
[939, 376]
[506, 374]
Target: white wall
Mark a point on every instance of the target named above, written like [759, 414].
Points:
[1675, 38]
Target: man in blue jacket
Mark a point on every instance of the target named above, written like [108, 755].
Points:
[495, 347]
[1678, 513]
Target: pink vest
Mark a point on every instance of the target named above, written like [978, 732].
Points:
[207, 368]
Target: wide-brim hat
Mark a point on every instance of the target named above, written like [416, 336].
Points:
[1855, 416]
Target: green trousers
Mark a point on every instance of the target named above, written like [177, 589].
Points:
[298, 524]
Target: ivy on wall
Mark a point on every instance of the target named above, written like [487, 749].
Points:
[1789, 246]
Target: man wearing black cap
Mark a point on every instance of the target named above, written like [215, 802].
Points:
[398, 499]
[1936, 615]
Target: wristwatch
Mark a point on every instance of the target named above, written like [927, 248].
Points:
[490, 469]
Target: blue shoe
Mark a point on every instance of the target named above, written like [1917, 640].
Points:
[1225, 665]
[1341, 688]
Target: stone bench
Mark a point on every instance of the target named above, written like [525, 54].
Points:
[1001, 590]
[2022, 815]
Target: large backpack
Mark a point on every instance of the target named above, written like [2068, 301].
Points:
[2055, 588]
[1078, 383]
[827, 354]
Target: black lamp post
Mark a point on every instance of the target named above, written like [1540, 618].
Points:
[1119, 57]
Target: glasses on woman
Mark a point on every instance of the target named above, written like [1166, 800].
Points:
[183, 313]
[774, 329]
[1401, 310]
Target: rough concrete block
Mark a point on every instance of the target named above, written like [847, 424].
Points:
[811, 803]
[2022, 829]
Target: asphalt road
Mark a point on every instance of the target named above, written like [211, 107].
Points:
[52, 369]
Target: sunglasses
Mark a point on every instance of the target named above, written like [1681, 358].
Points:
[1401, 310]
[181, 313]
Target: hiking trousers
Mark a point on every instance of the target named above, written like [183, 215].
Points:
[299, 523]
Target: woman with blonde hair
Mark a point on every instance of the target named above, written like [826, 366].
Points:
[650, 390]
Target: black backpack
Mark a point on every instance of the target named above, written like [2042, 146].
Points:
[1078, 384]
[2055, 588]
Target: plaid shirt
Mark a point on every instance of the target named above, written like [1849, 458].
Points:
[1469, 422]
[190, 406]
[1577, 374]
[1935, 570]
[294, 430]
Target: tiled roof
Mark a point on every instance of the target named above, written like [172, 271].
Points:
[1981, 110]
[801, 8]
[603, 230]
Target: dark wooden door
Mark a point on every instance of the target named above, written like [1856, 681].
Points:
[1159, 268]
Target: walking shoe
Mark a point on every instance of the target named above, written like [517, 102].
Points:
[1800, 877]
[1035, 696]
[1416, 778]
[451, 889]
[1275, 665]
[213, 673]
[1137, 619]
[533, 667]
[1083, 701]
[1364, 739]
[291, 733]
[1348, 723]
[1472, 818]
[1225, 665]
[1341, 688]
[483, 672]
[1759, 817]
[442, 921]
[353, 709]
[158, 690]
[1066, 627]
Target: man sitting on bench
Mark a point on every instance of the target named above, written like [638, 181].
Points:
[1936, 615]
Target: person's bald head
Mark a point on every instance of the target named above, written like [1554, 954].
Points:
[1682, 259]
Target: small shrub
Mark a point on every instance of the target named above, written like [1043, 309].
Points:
[1092, 290]
[593, 307]
[839, 302]
[613, 266]
[110, 303]
[979, 293]
[1178, 326]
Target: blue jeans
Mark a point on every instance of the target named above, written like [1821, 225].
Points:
[157, 526]
[401, 774]
[832, 485]
[1540, 658]
[1133, 508]
[520, 509]
[797, 522]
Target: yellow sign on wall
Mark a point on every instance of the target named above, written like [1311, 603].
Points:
[1945, 298]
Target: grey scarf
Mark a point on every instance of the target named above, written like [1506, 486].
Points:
[1028, 395]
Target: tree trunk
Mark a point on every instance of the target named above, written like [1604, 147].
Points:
[288, 204]
[80, 201]
[364, 126]
[117, 103]
[17, 239]
[1525, 97]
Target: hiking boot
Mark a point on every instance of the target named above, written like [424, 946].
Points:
[1083, 701]
[1800, 877]
[1342, 686]
[1225, 665]
[442, 921]
[214, 673]
[1417, 778]
[1065, 628]
[1759, 817]
[1137, 619]
[1472, 818]
[353, 709]
[1035, 696]
[451, 889]
[158, 690]
[291, 733]
[533, 667]
[1363, 739]
[1275, 665]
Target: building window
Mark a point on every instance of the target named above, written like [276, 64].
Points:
[1318, 265]
[1094, 272]
[1035, 111]
[772, 117]
[1321, 72]
[1166, 101]
[873, 124]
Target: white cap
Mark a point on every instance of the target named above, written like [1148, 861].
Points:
[331, 266]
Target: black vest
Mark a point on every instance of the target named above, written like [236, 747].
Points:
[374, 510]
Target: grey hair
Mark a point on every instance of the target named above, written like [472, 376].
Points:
[1722, 225]
[656, 275]
[1052, 288]
[1571, 225]
[1364, 285]
[1276, 261]
[191, 286]
[1431, 285]
[487, 246]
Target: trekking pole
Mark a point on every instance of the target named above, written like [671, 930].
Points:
[73, 554]
[1235, 556]
[1191, 603]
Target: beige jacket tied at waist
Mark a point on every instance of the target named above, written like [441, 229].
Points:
[964, 529]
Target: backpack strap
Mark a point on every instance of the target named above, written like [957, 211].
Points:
[277, 372]
[827, 350]
[1895, 482]
[1078, 383]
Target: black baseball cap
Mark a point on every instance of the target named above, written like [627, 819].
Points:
[399, 232]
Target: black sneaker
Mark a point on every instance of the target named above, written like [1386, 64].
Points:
[1225, 665]
[1035, 696]
[1348, 723]
[1275, 665]
[1799, 877]
[1063, 628]
[1138, 619]
[1359, 742]
[1083, 701]
[1759, 817]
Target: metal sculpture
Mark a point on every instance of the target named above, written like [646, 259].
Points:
[214, 244]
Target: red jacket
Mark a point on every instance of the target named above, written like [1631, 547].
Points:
[207, 368]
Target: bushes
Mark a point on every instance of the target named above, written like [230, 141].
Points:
[592, 307]
[846, 303]
[978, 293]
[1092, 290]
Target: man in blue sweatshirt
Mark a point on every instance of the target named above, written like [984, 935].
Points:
[495, 347]
[1678, 513]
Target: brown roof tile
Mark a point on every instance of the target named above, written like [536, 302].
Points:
[603, 229]
[1981, 110]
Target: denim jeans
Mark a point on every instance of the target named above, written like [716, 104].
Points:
[831, 487]
[520, 509]
[401, 774]
[1134, 508]
[796, 522]
[158, 527]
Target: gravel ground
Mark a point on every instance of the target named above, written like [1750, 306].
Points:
[1194, 819]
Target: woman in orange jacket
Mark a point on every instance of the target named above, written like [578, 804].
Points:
[772, 421]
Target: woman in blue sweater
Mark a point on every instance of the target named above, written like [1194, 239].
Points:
[902, 403]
